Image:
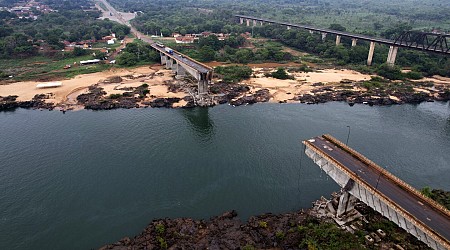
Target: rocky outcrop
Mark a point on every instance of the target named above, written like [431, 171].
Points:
[37, 102]
[96, 99]
[262, 95]
[296, 230]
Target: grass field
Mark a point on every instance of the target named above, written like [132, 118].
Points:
[45, 69]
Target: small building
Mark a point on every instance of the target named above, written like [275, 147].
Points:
[110, 42]
[184, 39]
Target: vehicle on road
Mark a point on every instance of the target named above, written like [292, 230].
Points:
[169, 50]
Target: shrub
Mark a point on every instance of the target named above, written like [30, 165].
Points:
[281, 74]
[162, 242]
[160, 229]
[279, 235]
[262, 224]
[414, 75]
[233, 74]
[115, 96]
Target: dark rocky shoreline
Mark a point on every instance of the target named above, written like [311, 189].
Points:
[295, 230]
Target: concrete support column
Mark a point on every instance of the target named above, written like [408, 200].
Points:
[241, 20]
[181, 72]
[311, 32]
[343, 202]
[174, 66]
[288, 27]
[371, 50]
[354, 40]
[392, 55]
[169, 63]
[254, 22]
[261, 22]
[338, 40]
[202, 87]
[324, 35]
[163, 58]
[248, 22]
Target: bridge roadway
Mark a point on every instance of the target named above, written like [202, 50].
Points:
[341, 33]
[176, 55]
[435, 219]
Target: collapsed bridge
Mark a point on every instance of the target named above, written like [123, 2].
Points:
[385, 193]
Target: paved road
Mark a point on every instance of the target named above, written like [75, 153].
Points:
[176, 56]
[420, 209]
[345, 34]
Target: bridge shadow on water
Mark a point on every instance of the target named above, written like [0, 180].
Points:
[200, 122]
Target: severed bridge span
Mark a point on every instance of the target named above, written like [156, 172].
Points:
[174, 60]
[364, 180]
[429, 42]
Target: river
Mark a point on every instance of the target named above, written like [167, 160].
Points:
[83, 179]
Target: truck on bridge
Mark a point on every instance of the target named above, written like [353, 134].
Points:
[169, 50]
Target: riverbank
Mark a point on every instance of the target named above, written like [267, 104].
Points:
[153, 86]
[311, 229]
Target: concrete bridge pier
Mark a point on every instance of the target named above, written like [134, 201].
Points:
[392, 55]
[203, 93]
[181, 72]
[163, 58]
[248, 22]
[241, 20]
[324, 35]
[338, 40]
[311, 32]
[261, 23]
[169, 63]
[371, 50]
[174, 66]
[288, 27]
[347, 203]
[354, 40]
[254, 23]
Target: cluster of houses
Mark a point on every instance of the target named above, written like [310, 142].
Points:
[29, 9]
[190, 38]
[87, 44]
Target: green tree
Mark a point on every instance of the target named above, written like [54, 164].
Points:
[207, 53]
[127, 59]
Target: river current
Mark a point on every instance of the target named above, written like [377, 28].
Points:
[83, 179]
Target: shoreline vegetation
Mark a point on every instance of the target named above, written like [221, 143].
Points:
[236, 85]
[304, 229]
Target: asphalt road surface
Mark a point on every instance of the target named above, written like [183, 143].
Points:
[417, 207]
